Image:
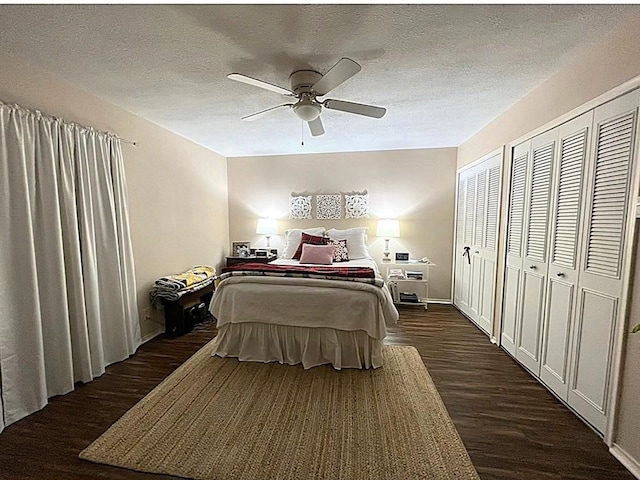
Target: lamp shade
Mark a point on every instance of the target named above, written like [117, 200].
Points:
[388, 228]
[267, 226]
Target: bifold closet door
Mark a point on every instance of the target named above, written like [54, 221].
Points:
[464, 240]
[567, 231]
[606, 221]
[513, 265]
[476, 240]
[486, 254]
[480, 210]
[458, 248]
[534, 258]
[564, 247]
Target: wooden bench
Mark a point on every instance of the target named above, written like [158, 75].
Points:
[176, 319]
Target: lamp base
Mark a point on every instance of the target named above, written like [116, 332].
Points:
[386, 258]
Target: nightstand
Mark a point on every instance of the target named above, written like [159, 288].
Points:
[413, 278]
[236, 260]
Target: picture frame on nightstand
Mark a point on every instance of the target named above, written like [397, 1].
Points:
[238, 248]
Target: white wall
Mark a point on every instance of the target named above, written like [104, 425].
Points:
[600, 69]
[628, 425]
[177, 190]
[415, 186]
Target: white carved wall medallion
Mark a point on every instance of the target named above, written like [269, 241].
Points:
[329, 207]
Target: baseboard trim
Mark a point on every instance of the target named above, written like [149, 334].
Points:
[625, 459]
[444, 301]
[152, 334]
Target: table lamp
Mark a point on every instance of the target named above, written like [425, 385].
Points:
[267, 227]
[388, 229]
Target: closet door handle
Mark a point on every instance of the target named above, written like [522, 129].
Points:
[532, 267]
[467, 254]
[560, 274]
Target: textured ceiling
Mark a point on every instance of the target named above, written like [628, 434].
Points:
[443, 72]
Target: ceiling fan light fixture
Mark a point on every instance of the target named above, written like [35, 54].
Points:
[307, 110]
[305, 86]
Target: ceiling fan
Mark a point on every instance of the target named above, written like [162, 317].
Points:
[306, 86]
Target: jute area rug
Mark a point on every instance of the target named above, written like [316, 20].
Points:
[220, 419]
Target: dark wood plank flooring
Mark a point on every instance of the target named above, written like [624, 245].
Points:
[512, 426]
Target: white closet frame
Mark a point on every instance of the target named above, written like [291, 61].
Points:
[622, 325]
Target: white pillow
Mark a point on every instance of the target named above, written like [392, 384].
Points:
[293, 237]
[356, 241]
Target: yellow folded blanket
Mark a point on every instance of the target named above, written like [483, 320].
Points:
[185, 280]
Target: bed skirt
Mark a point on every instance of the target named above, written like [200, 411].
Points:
[260, 342]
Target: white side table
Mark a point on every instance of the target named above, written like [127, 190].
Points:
[398, 285]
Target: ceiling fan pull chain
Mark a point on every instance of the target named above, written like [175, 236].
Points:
[302, 133]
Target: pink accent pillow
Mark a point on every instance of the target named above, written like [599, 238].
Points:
[318, 254]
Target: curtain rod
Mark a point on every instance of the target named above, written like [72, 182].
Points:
[38, 112]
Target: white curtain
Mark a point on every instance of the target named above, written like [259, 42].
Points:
[67, 287]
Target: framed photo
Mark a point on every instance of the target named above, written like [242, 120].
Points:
[240, 249]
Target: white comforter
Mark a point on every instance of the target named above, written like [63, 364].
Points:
[304, 302]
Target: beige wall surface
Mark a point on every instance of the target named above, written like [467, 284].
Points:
[415, 186]
[628, 424]
[596, 71]
[177, 190]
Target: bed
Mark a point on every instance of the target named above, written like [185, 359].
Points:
[313, 320]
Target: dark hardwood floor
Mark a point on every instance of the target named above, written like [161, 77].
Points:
[512, 426]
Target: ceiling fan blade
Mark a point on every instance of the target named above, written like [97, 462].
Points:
[259, 83]
[342, 71]
[255, 116]
[316, 127]
[357, 108]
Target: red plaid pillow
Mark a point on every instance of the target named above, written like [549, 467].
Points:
[311, 239]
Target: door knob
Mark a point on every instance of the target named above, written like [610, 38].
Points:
[560, 274]
[532, 267]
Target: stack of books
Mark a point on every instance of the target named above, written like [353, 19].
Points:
[396, 273]
[411, 275]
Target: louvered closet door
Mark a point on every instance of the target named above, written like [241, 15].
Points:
[459, 245]
[564, 246]
[467, 243]
[476, 240]
[534, 269]
[515, 251]
[480, 204]
[488, 250]
[599, 286]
